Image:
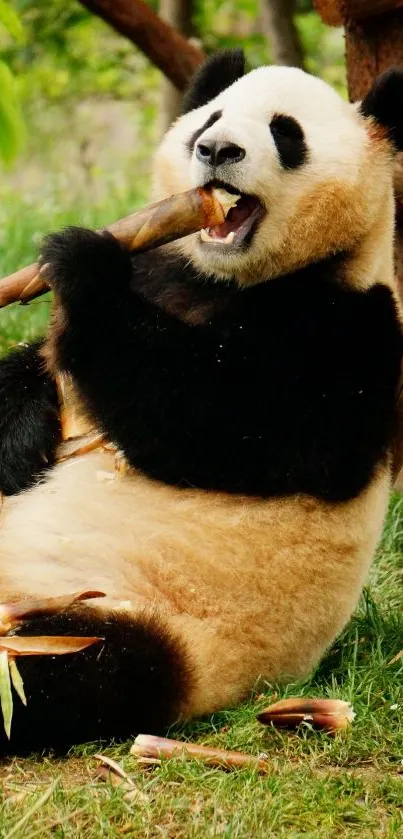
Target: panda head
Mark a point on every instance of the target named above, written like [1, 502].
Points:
[314, 172]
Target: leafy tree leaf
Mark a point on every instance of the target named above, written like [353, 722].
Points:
[11, 21]
[11, 122]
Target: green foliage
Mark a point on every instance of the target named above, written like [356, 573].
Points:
[11, 122]
[323, 49]
[238, 24]
[72, 70]
[69, 53]
[10, 21]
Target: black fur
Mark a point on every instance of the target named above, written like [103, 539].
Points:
[29, 424]
[131, 682]
[384, 104]
[290, 142]
[284, 388]
[209, 122]
[216, 74]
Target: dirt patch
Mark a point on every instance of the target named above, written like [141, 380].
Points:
[73, 773]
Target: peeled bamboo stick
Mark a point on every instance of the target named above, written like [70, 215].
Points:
[150, 746]
[156, 225]
[12, 287]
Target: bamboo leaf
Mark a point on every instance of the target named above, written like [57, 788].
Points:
[45, 644]
[16, 679]
[6, 697]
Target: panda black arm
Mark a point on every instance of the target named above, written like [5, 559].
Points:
[29, 424]
[138, 368]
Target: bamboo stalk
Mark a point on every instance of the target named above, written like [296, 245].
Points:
[12, 287]
[162, 222]
[149, 746]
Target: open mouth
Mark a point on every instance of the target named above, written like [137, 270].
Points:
[240, 223]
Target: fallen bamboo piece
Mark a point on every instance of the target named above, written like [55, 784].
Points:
[149, 746]
[162, 222]
[395, 658]
[330, 715]
[111, 772]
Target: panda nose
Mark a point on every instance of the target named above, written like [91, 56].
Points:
[219, 152]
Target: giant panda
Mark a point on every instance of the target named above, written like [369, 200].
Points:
[248, 373]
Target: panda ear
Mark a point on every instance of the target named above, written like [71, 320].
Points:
[384, 103]
[216, 74]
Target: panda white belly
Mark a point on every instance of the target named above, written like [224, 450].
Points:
[254, 588]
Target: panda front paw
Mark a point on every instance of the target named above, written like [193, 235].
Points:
[78, 261]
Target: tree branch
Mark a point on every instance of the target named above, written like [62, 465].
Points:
[282, 34]
[177, 13]
[162, 44]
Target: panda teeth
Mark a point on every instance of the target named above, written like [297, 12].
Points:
[205, 237]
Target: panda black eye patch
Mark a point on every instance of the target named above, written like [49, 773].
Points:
[290, 141]
[209, 122]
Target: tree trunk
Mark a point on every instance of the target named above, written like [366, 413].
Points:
[282, 35]
[178, 13]
[337, 12]
[176, 57]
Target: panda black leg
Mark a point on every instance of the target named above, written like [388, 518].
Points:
[29, 422]
[133, 681]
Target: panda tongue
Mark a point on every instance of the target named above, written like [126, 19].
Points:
[235, 218]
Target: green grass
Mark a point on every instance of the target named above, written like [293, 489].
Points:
[318, 787]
